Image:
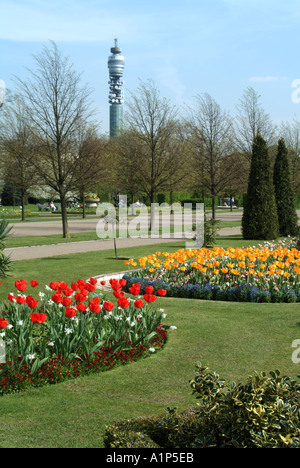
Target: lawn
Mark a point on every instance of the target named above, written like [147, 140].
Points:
[233, 339]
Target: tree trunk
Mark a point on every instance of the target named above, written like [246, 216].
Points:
[23, 205]
[64, 217]
[152, 210]
[132, 204]
[213, 207]
[83, 205]
[171, 202]
[115, 242]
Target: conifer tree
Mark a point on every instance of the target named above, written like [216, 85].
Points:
[260, 219]
[287, 216]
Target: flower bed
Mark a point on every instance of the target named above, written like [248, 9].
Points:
[267, 273]
[70, 331]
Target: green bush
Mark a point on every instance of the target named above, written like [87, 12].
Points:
[133, 433]
[260, 219]
[5, 262]
[263, 412]
[192, 201]
[285, 201]
[10, 196]
[211, 227]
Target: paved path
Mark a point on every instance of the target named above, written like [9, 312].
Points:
[89, 225]
[44, 228]
[42, 251]
[79, 225]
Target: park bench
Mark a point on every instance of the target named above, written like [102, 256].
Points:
[43, 207]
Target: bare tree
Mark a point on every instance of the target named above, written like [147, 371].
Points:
[89, 167]
[211, 139]
[57, 107]
[16, 136]
[290, 131]
[236, 169]
[125, 161]
[153, 121]
[251, 120]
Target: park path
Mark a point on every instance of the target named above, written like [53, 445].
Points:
[45, 228]
[42, 251]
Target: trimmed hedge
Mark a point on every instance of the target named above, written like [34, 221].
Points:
[263, 412]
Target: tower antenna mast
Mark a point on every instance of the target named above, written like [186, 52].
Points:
[116, 65]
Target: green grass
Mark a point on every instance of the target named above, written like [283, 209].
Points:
[233, 339]
[74, 266]
[28, 241]
[230, 224]
[236, 241]
[71, 267]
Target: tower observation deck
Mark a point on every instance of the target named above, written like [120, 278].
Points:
[116, 66]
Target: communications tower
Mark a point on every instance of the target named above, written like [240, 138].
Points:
[116, 66]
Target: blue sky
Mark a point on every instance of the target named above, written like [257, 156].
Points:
[186, 46]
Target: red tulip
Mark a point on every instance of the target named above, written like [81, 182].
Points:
[81, 283]
[68, 291]
[161, 292]
[95, 308]
[123, 302]
[150, 297]
[81, 307]
[28, 299]
[84, 291]
[135, 289]
[32, 303]
[57, 297]
[21, 299]
[66, 301]
[149, 289]
[118, 293]
[114, 283]
[62, 285]
[21, 285]
[108, 305]
[139, 303]
[103, 283]
[34, 283]
[95, 301]
[80, 297]
[70, 312]
[74, 286]
[38, 318]
[93, 281]
[3, 323]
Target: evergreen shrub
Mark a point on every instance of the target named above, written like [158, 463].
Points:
[285, 201]
[262, 412]
[260, 219]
